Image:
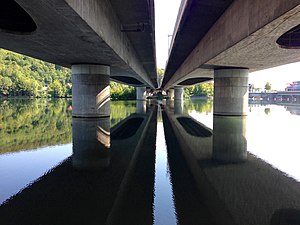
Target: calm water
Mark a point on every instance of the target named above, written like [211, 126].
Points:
[149, 163]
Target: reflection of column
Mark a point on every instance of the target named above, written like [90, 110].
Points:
[178, 107]
[231, 92]
[178, 93]
[171, 93]
[229, 139]
[91, 142]
[141, 107]
[140, 93]
[172, 104]
[90, 90]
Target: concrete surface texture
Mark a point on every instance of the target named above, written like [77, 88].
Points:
[231, 92]
[244, 35]
[90, 90]
[76, 31]
[178, 93]
[141, 93]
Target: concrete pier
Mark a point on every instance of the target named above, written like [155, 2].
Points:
[178, 96]
[141, 93]
[91, 91]
[231, 92]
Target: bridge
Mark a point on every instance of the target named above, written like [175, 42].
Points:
[98, 39]
[224, 41]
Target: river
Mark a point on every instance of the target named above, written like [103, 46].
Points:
[148, 163]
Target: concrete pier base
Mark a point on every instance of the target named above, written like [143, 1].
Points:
[231, 92]
[90, 91]
[178, 93]
[141, 93]
[91, 143]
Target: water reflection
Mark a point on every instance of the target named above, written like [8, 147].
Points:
[35, 136]
[144, 169]
[229, 139]
[164, 209]
[89, 194]
[91, 143]
[140, 106]
[31, 124]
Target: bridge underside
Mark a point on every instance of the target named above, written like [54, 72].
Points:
[244, 36]
[67, 32]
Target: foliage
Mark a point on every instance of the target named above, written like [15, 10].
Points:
[203, 89]
[121, 91]
[21, 75]
[160, 76]
[30, 124]
[268, 86]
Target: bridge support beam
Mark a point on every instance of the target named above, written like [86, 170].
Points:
[178, 90]
[231, 92]
[141, 93]
[90, 90]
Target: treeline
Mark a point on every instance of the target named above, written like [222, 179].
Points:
[21, 75]
[200, 90]
[122, 92]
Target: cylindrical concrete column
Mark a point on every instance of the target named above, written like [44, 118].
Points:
[231, 92]
[140, 93]
[178, 90]
[91, 143]
[171, 93]
[229, 139]
[90, 90]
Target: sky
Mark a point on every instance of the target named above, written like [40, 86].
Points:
[165, 18]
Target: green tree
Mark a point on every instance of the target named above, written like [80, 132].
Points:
[160, 76]
[203, 89]
[5, 85]
[268, 86]
[56, 89]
